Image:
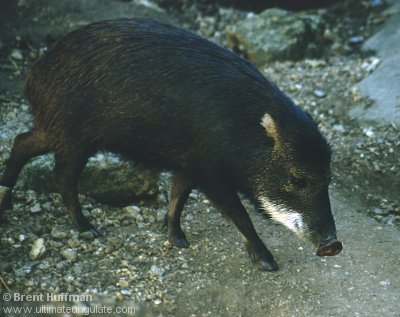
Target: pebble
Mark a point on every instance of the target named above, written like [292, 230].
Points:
[86, 235]
[22, 271]
[371, 64]
[160, 215]
[368, 131]
[319, 93]
[47, 206]
[315, 63]
[32, 55]
[77, 269]
[21, 237]
[126, 292]
[38, 249]
[157, 270]
[57, 234]
[73, 242]
[338, 128]
[16, 54]
[376, 3]
[36, 208]
[378, 211]
[123, 283]
[385, 283]
[356, 40]
[70, 254]
[134, 212]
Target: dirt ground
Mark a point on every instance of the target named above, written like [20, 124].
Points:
[133, 266]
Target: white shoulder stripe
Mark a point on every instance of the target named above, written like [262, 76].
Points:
[289, 218]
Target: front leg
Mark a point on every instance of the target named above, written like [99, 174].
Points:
[5, 199]
[228, 202]
[181, 187]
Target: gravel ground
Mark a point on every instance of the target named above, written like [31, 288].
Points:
[133, 265]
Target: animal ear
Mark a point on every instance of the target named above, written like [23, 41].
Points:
[270, 127]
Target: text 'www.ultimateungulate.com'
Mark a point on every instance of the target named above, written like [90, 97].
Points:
[58, 304]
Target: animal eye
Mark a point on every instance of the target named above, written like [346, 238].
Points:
[298, 181]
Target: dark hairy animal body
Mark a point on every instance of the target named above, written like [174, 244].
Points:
[157, 95]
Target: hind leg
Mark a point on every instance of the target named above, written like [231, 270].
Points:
[180, 189]
[67, 170]
[26, 146]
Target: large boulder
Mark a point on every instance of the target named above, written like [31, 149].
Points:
[252, 5]
[382, 86]
[40, 22]
[277, 34]
[105, 178]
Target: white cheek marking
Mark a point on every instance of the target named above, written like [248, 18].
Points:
[287, 217]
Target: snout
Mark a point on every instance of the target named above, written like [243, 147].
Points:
[330, 247]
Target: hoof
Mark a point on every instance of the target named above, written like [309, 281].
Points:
[96, 232]
[268, 266]
[87, 226]
[263, 260]
[179, 241]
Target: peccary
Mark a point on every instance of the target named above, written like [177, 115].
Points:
[172, 100]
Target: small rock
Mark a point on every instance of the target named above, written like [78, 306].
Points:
[16, 54]
[114, 242]
[44, 265]
[77, 269]
[370, 64]
[376, 3]
[47, 206]
[185, 266]
[73, 242]
[57, 234]
[86, 235]
[69, 278]
[167, 244]
[385, 283]
[38, 249]
[70, 254]
[157, 270]
[126, 292]
[36, 208]
[132, 210]
[160, 215]
[135, 213]
[22, 271]
[378, 211]
[314, 63]
[22, 237]
[338, 128]
[319, 93]
[356, 40]
[368, 131]
[123, 283]
[32, 55]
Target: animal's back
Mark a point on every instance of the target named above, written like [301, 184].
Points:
[139, 86]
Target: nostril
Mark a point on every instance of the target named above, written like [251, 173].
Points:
[331, 248]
